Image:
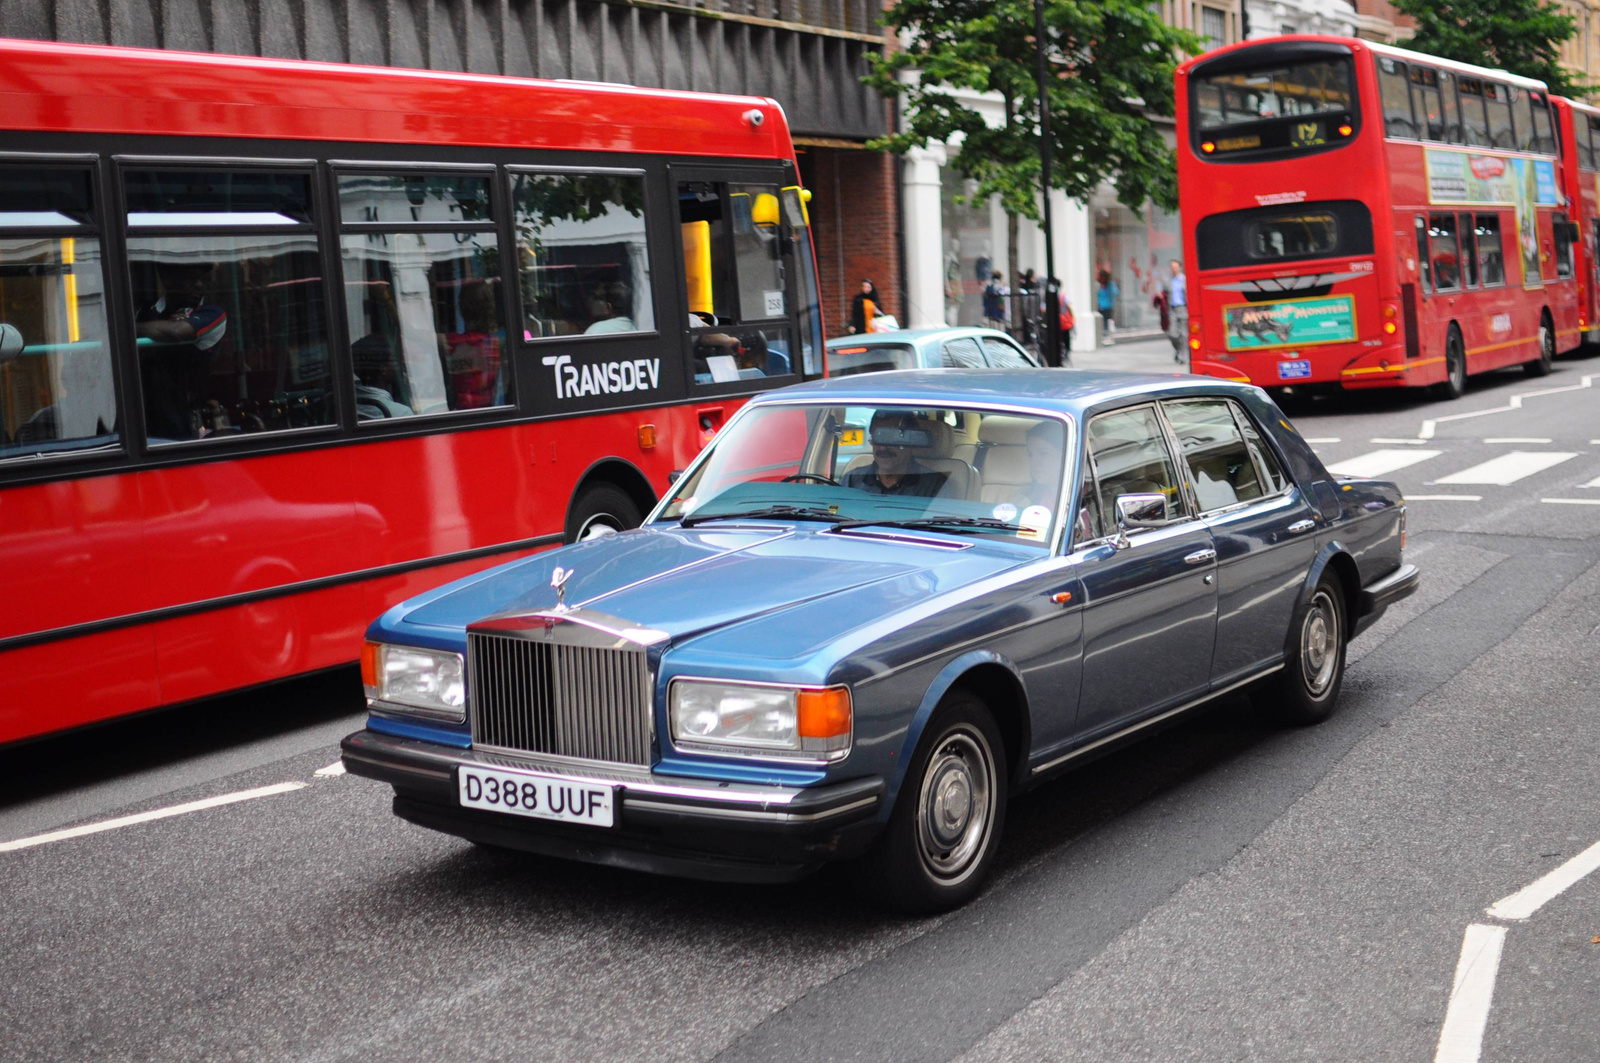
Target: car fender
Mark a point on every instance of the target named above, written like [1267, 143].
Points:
[1332, 549]
[948, 677]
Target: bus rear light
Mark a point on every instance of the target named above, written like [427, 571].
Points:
[1208, 147]
[1346, 129]
[1194, 344]
[1194, 326]
[1389, 327]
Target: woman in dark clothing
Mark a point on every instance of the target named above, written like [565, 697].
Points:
[864, 307]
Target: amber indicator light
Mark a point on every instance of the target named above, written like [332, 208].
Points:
[647, 437]
[824, 713]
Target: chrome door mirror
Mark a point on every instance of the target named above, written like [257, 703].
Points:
[1142, 510]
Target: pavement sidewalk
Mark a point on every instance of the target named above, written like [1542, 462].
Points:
[1151, 355]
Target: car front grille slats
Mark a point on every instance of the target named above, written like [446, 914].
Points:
[569, 701]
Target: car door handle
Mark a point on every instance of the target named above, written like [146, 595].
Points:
[1301, 526]
[1200, 557]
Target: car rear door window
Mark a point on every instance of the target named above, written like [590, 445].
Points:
[1221, 470]
[962, 353]
[1004, 355]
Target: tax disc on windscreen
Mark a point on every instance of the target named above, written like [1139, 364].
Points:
[1035, 519]
[1005, 511]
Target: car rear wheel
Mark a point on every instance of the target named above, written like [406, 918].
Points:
[945, 828]
[1307, 688]
[601, 510]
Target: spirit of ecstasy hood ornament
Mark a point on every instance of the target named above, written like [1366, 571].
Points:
[558, 580]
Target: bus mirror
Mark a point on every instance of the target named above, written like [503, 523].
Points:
[11, 342]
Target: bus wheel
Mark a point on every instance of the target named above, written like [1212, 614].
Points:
[1541, 365]
[601, 510]
[1455, 367]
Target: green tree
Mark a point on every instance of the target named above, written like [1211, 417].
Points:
[1522, 36]
[1110, 70]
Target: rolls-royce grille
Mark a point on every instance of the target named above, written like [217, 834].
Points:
[570, 701]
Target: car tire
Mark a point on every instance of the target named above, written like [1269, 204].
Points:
[601, 510]
[942, 835]
[1454, 384]
[1307, 688]
[1542, 365]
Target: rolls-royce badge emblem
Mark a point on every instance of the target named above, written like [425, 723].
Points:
[558, 580]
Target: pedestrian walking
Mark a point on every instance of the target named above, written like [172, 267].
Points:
[1105, 299]
[864, 307]
[995, 294]
[1178, 310]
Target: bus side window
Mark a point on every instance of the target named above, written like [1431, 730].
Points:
[1469, 250]
[1452, 109]
[1446, 254]
[1563, 234]
[1474, 123]
[1497, 102]
[1491, 257]
[1423, 268]
[1396, 93]
[1544, 138]
[1522, 108]
[1425, 102]
[1594, 143]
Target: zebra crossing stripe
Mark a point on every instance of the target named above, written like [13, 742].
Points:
[1508, 468]
[1381, 462]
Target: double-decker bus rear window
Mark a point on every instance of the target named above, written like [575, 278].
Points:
[1282, 107]
[1284, 234]
[1297, 235]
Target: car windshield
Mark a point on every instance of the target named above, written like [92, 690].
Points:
[968, 472]
[870, 358]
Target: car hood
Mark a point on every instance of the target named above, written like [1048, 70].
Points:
[705, 581]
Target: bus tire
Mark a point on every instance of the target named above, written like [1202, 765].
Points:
[1454, 384]
[1542, 365]
[601, 509]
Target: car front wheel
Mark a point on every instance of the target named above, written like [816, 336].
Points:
[945, 828]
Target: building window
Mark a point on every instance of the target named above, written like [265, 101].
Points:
[1214, 27]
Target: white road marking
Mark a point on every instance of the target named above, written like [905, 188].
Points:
[1508, 468]
[1444, 498]
[1534, 896]
[1516, 439]
[336, 768]
[1571, 501]
[1391, 442]
[154, 814]
[1592, 483]
[1461, 1039]
[1380, 462]
[1324, 439]
[1514, 403]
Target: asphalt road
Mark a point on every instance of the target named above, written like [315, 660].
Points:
[1226, 890]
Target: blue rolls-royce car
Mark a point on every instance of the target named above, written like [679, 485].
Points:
[874, 610]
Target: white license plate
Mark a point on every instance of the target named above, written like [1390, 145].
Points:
[1293, 370]
[527, 793]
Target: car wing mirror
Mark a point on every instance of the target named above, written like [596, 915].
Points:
[1141, 510]
[11, 342]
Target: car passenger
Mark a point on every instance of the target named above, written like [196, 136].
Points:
[894, 470]
[1044, 468]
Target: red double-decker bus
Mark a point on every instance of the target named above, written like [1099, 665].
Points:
[1578, 126]
[1358, 216]
[282, 343]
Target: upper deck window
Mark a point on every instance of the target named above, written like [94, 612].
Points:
[1280, 107]
[1497, 101]
[1544, 137]
[1425, 102]
[1474, 121]
[1394, 88]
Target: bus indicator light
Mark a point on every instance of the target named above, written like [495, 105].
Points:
[1345, 129]
[647, 437]
[1208, 147]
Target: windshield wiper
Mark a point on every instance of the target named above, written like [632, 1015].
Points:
[980, 523]
[770, 512]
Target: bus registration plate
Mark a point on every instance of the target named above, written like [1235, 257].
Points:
[527, 793]
[1294, 370]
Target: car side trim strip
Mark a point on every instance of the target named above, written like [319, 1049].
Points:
[747, 813]
[1142, 724]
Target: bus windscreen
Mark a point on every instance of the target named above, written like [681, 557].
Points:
[1280, 106]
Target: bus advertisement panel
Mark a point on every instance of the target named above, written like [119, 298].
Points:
[1363, 216]
[283, 343]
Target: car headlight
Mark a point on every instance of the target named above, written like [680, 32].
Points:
[761, 720]
[428, 683]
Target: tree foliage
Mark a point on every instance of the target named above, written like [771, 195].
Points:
[1111, 66]
[1522, 36]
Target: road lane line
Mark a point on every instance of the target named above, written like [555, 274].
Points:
[1517, 439]
[1592, 483]
[336, 768]
[1534, 896]
[1443, 498]
[1405, 442]
[1381, 462]
[154, 814]
[1323, 439]
[1508, 468]
[1571, 501]
[1514, 403]
[1461, 1039]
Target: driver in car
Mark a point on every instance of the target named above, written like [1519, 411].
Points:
[894, 469]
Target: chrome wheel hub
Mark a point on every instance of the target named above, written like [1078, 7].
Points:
[955, 810]
[1319, 644]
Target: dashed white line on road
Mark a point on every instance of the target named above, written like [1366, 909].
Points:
[1516, 439]
[154, 814]
[336, 768]
[1380, 462]
[1444, 498]
[1534, 896]
[1461, 1039]
[1323, 439]
[1405, 442]
[1571, 501]
[1592, 483]
[1508, 468]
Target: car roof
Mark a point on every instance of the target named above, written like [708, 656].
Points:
[912, 335]
[1071, 391]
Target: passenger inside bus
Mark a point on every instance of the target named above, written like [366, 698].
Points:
[184, 326]
[611, 306]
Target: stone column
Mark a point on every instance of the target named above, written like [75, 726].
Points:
[922, 211]
[1074, 239]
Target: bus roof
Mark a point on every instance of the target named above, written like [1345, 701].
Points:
[50, 87]
[1380, 49]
